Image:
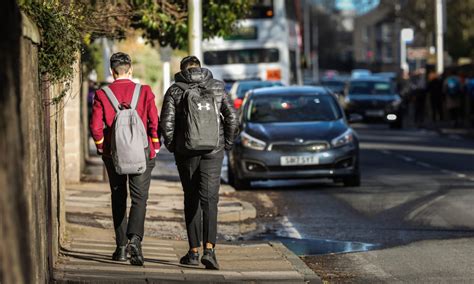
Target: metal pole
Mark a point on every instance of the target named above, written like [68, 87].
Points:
[439, 36]
[403, 54]
[315, 59]
[166, 76]
[195, 28]
[307, 51]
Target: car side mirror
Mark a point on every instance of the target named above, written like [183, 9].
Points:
[354, 117]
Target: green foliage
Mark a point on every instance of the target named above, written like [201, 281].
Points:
[167, 22]
[61, 39]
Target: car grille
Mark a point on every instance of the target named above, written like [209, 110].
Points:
[295, 148]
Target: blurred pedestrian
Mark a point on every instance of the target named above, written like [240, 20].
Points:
[198, 124]
[109, 102]
[452, 87]
[418, 89]
[435, 91]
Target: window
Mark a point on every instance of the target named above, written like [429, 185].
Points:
[293, 108]
[241, 56]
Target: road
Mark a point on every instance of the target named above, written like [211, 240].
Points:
[414, 210]
[412, 219]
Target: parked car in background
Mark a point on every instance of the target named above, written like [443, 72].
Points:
[240, 88]
[297, 132]
[374, 98]
[335, 85]
[359, 73]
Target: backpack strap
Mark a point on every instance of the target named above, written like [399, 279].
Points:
[112, 99]
[136, 96]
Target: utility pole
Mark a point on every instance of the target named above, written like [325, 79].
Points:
[439, 36]
[165, 54]
[307, 39]
[195, 28]
[315, 43]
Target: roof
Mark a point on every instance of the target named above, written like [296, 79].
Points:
[372, 78]
[285, 90]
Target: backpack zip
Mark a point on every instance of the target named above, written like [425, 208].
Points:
[218, 122]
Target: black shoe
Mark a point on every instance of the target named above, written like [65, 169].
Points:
[135, 248]
[120, 253]
[191, 258]
[209, 259]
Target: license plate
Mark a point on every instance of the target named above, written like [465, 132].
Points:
[299, 160]
[376, 113]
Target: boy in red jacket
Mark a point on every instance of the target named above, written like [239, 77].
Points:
[103, 114]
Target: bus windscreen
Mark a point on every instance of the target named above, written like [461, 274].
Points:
[241, 56]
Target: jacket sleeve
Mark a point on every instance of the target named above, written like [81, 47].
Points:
[96, 124]
[167, 122]
[153, 119]
[231, 123]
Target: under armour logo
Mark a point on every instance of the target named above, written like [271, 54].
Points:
[207, 106]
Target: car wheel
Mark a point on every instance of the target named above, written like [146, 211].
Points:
[353, 180]
[237, 183]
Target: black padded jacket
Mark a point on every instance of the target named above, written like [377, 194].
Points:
[172, 112]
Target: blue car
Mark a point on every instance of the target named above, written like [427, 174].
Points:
[294, 133]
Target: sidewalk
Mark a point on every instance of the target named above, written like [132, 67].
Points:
[90, 241]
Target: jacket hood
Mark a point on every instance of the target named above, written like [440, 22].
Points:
[193, 76]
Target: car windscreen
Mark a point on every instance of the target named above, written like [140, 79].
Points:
[370, 88]
[292, 108]
[245, 87]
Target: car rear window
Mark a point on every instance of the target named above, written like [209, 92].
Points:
[293, 108]
[370, 88]
[244, 88]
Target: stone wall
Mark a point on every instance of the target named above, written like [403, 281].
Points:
[32, 157]
[72, 124]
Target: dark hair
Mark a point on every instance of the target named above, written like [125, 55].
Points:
[120, 63]
[189, 61]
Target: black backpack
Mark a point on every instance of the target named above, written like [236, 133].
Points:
[201, 121]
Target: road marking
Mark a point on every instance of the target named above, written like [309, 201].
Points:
[448, 172]
[385, 152]
[289, 229]
[420, 209]
[426, 165]
[461, 175]
[266, 201]
[415, 148]
[405, 158]
[370, 268]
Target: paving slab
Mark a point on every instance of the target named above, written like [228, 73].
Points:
[86, 261]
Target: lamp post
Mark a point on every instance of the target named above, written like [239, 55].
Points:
[439, 36]
[195, 28]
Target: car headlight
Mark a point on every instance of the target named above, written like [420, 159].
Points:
[396, 103]
[343, 139]
[252, 142]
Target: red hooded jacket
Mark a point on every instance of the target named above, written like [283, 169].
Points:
[103, 114]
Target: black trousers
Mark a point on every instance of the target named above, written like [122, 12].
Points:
[139, 186]
[200, 177]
